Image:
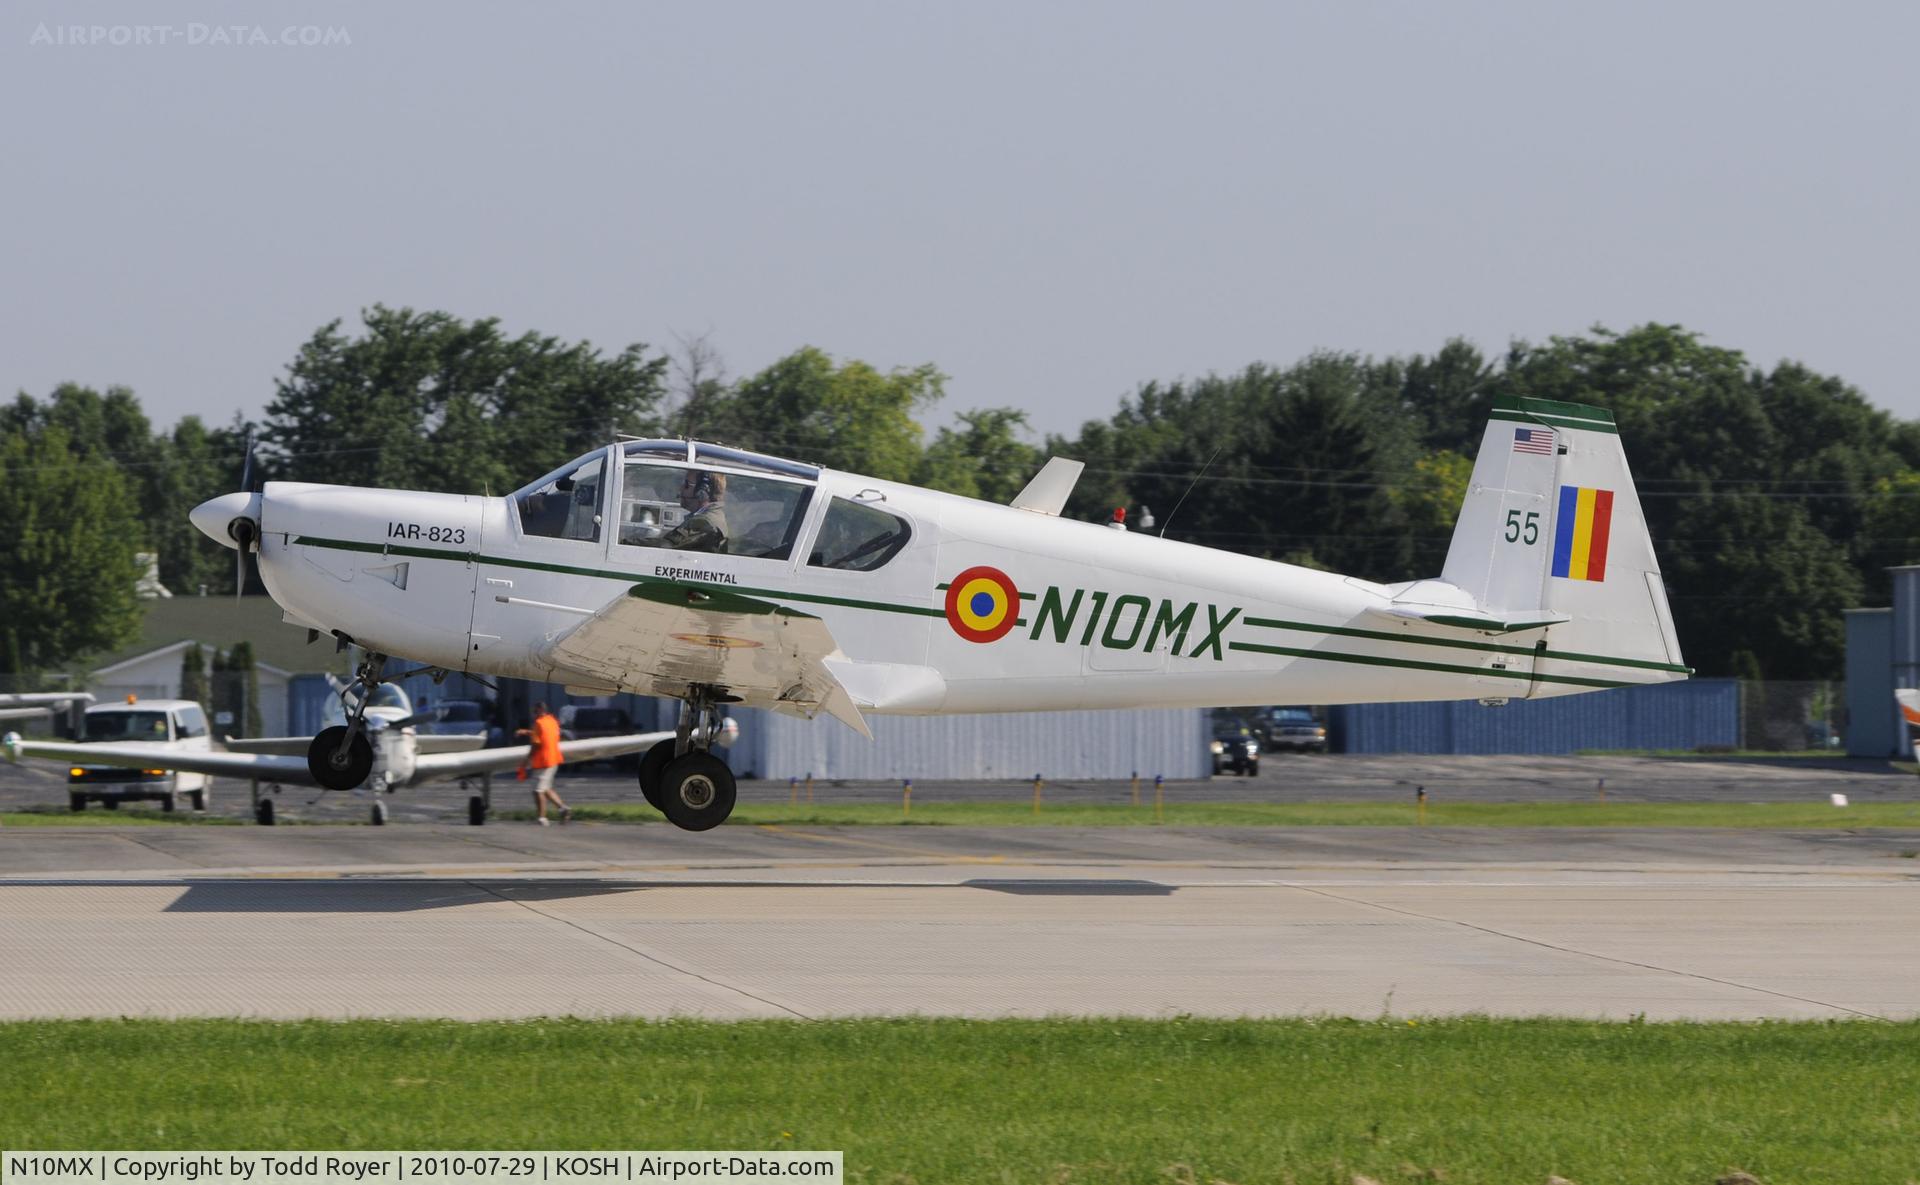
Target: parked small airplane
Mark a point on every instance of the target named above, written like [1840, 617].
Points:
[400, 756]
[717, 576]
[26, 705]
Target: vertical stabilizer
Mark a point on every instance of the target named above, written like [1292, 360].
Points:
[1552, 525]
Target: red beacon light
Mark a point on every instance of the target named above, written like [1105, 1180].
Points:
[1119, 521]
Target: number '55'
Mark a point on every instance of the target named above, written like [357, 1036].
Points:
[1528, 533]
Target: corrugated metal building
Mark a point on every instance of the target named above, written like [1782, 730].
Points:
[1873, 722]
[1111, 744]
[1686, 715]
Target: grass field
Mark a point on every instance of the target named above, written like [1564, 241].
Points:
[1302, 814]
[132, 816]
[928, 1101]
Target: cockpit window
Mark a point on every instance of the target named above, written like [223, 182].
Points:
[704, 510]
[565, 504]
[733, 458]
[858, 536]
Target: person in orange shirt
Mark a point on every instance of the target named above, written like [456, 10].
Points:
[544, 759]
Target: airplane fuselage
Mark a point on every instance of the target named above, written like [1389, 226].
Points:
[1056, 613]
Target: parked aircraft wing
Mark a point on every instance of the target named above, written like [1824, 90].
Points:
[437, 766]
[297, 746]
[134, 755]
[658, 639]
[22, 706]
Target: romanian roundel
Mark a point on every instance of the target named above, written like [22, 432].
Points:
[982, 604]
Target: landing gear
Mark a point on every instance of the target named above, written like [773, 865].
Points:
[341, 757]
[682, 778]
[379, 814]
[198, 798]
[476, 811]
[652, 765]
[263, 812]
[697, 792]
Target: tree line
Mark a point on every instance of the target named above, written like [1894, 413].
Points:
[1776, 497]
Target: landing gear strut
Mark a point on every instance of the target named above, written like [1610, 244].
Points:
[341, 757]
[681, 777]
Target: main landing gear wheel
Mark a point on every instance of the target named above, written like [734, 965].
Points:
[476, 811]
[263, 812]
[652, 765]
[333, 769]
[198, 798]
[698, 792]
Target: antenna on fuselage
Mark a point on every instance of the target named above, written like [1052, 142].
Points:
[1190, 489]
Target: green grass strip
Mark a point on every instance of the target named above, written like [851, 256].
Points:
[96, 817]
[1464, 1101]
[1794, 815]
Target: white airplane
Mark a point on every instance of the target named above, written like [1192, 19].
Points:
[26, 705]
[397, 755]
[676, 568]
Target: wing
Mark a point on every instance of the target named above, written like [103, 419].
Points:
[659, 639]
[21, 706]
[435, 766]
[133, 755]
[297, 746]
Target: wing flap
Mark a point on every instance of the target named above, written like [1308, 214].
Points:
[660, 639]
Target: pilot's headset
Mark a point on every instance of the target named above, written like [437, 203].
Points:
[706, 486]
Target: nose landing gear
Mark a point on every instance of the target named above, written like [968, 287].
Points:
[682, 778]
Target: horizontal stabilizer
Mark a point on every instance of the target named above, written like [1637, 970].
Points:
[1050, 488]
[1440, 603]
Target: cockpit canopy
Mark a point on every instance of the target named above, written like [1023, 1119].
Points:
[687, 496]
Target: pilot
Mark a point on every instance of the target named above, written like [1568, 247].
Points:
[704, 495]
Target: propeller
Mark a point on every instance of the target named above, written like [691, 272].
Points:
[240, 553]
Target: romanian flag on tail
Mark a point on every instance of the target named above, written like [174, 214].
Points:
[1580, 533]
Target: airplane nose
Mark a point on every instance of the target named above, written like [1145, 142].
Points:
[221, 519]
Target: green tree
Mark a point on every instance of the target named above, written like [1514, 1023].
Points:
[193, 675]
[983, 457]
[236, 690]
[67, 567]
[428, 401]
[849, 416]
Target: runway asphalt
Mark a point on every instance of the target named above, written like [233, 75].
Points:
[515, 921]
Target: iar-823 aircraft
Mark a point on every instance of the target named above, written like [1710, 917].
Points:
[717, 576]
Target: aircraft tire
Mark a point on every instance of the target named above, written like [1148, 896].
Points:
[170, 802]
[476, 811]
[652, 765]
[697, 792]
[198, 798]
[320, 764]
[263, 812]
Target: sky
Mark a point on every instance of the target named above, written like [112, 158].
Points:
[1054, 203]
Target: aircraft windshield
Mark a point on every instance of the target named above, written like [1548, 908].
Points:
[565, 504]
[704, 510]
[127, 726]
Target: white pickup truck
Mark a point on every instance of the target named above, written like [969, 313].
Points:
[171, 724]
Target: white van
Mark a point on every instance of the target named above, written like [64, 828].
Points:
[173, 725]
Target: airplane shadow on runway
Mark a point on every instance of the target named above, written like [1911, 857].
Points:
[1074, 888]
[323, 896]
[376, 896]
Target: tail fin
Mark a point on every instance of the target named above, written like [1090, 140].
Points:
[1551, 532]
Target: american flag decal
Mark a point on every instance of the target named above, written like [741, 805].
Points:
[1533, 440]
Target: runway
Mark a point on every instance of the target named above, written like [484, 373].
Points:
[810, 922]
